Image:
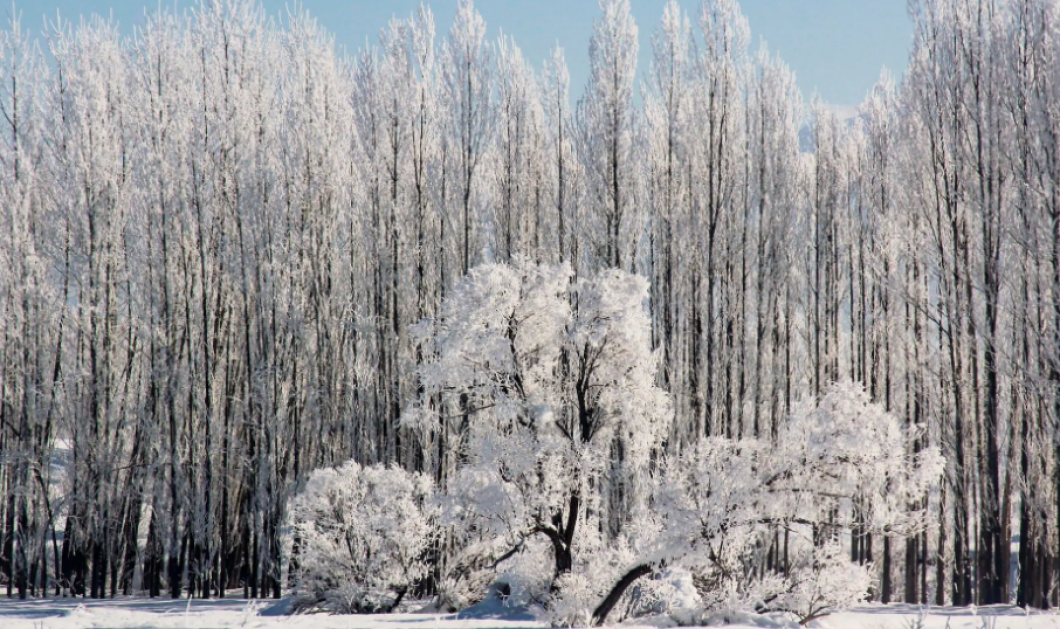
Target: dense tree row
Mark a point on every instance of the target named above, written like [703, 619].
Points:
[218, 236]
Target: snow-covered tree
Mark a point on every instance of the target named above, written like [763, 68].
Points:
[606, 134]
[562, 167]
[560, 408]
[666, 119]
[466, 73]
[521, 162]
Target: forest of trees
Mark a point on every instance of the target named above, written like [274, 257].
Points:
[219, 236]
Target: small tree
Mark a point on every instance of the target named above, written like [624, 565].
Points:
[362, 534]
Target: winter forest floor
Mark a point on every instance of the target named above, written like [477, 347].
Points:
[148, 614]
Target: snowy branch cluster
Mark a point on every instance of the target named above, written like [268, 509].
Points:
[231, 257]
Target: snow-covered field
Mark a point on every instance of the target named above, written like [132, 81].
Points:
[166, 614]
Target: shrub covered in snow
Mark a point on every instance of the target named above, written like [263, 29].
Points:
[760, 522]
[360, 537]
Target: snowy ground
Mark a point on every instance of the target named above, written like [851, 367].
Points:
[164, 614]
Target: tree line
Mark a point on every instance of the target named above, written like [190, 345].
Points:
[218, 237]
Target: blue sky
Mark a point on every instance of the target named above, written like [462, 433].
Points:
[836, 47]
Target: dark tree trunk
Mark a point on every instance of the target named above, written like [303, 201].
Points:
[604, 608]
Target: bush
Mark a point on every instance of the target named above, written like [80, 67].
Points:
[360, 537]
[837, 466]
